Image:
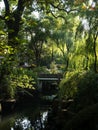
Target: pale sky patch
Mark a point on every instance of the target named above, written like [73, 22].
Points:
[1, 5]
[85, 24]
[92, 3]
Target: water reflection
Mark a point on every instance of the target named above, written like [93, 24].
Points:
[22, 124]
[25, 122]
[40, 123]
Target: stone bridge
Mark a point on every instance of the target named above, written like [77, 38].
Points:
[48, 81]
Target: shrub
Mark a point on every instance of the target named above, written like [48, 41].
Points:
[19, 77]
[68, 86]
[82, 87]
[87, 93]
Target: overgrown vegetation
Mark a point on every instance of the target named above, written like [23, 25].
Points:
[80, 86]
[50, 37]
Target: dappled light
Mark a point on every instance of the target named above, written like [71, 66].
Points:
[49, 59]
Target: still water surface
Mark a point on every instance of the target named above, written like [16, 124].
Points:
[28, 118]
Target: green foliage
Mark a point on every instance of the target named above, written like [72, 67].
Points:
[54, 68]
[68, 86]
[25, 81]
[7, 88]
[35, 33]
[39, 70]
[25, 78]
[13, 77]
[82, 87]
[87, 93]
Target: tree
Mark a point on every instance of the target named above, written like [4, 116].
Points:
[12, 16]
[38, 36]
[89, 29]
[38, 31]
[63, 36]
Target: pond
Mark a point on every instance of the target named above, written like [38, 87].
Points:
[27, 118]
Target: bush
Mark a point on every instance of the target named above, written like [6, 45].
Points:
[82, 87]
[87, 93]
[18, 77]
[68, 86]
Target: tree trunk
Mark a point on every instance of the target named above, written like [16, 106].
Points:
[13, 29]
[13, 20]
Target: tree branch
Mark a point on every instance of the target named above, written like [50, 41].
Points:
[19, 11]
[58, 16]
[63, 9]
[21, 6]
[7, 9]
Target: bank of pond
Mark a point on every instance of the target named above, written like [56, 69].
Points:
[29, 117]
[27, 112]
[47, 112]
[53, 116]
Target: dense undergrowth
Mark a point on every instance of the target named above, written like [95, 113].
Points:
[82, 87]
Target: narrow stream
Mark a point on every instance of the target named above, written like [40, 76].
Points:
[28, 118]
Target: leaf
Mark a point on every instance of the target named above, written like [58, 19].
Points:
[7, 17]
[2, 32]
